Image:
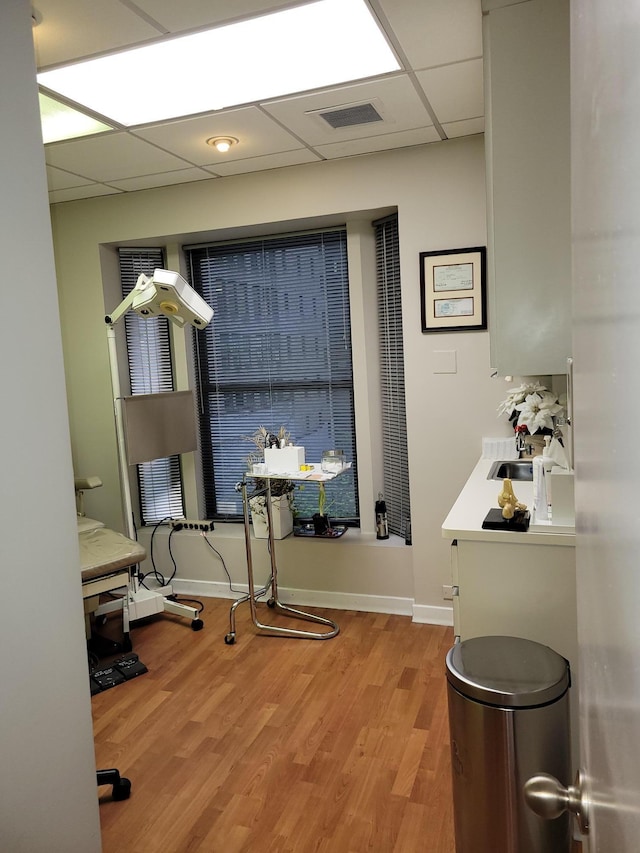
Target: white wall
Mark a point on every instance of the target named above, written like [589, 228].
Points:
[439, 192]
[48, 795]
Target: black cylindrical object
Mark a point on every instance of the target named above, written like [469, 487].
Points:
[382, 523]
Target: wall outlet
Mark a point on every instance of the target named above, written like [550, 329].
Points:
[447, 592]
[191, 524]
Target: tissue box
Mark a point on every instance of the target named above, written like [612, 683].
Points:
[562, 496]
[499, 448]
[284, 460]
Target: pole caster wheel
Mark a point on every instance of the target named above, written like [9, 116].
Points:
[120, 787]
[197, 625]
[122, 790]
[271, 603]
[230, 638]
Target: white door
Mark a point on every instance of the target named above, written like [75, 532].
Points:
[605, 81]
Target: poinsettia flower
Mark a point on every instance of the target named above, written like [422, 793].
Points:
[538, 410]
[517, 396]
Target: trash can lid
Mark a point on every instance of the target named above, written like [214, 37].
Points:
[507, 671]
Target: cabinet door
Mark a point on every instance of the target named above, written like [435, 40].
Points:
[526, 62]
[519, 591]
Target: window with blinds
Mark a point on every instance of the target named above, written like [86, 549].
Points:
[151, 372]
[394, 420]
[277, 353]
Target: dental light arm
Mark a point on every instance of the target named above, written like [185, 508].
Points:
[165, 294]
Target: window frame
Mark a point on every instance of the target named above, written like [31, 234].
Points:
[205, 355]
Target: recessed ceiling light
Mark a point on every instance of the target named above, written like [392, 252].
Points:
[222, 143]
[319, 44]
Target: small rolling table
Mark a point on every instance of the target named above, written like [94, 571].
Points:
[318, 476]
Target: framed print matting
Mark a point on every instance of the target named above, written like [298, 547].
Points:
[452, 290]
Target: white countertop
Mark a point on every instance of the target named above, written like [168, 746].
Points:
[475, 500]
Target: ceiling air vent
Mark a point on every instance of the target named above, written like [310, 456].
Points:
[350, 116]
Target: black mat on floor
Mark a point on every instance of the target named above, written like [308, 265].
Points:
[122, 669]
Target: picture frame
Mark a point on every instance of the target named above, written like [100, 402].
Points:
[452, 290]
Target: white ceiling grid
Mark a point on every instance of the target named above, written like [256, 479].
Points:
[438, 94]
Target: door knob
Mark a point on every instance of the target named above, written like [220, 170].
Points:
[548, 798]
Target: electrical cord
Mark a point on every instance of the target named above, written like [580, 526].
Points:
[160, 580]
[224, 565]
[175, 565]
[199, 604]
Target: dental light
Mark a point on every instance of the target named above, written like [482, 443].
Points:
[166, 294]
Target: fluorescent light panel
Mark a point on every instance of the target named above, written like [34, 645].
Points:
[60, 121]
[320, 44]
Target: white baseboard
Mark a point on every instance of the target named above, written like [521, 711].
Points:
[310, 598]
[430, 615]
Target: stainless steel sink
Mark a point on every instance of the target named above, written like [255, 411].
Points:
[513, 469]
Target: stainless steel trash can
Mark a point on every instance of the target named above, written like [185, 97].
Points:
[508, 720]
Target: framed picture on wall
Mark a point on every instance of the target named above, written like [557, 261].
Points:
[452, 290]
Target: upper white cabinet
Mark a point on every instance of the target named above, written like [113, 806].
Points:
[526, 61]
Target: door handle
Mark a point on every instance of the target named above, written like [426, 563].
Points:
[548, 798]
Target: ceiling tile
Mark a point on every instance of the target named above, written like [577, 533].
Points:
[435, 32]
[270, 161]
[394, 97]
[75, 193]
[57, 179]
[379, 143]
[257, 134]
[71, 29]
[145, 182]
[454, 91]
[111, 157]
[192, 14]
[468, 127]
[439, 40]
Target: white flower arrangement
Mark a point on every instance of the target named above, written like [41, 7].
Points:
[532, 408]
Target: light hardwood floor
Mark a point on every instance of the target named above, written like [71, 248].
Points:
[277, 744]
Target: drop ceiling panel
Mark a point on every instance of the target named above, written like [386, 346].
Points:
[257, 134]
[193, 14]
[111, 157]
[435, 39]
[435, 32]
[71, 29]
[349, 148]
[57, 179]
[163, 179]
[454, 91]
[258, 164]
[468, 127]
[75, 193]
[396, 96]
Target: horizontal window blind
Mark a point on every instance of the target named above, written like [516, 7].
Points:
[278, 353]
[394, 419]
[151, 372]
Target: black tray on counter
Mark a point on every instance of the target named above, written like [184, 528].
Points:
[518, 524]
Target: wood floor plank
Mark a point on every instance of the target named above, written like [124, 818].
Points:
[280, 744]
